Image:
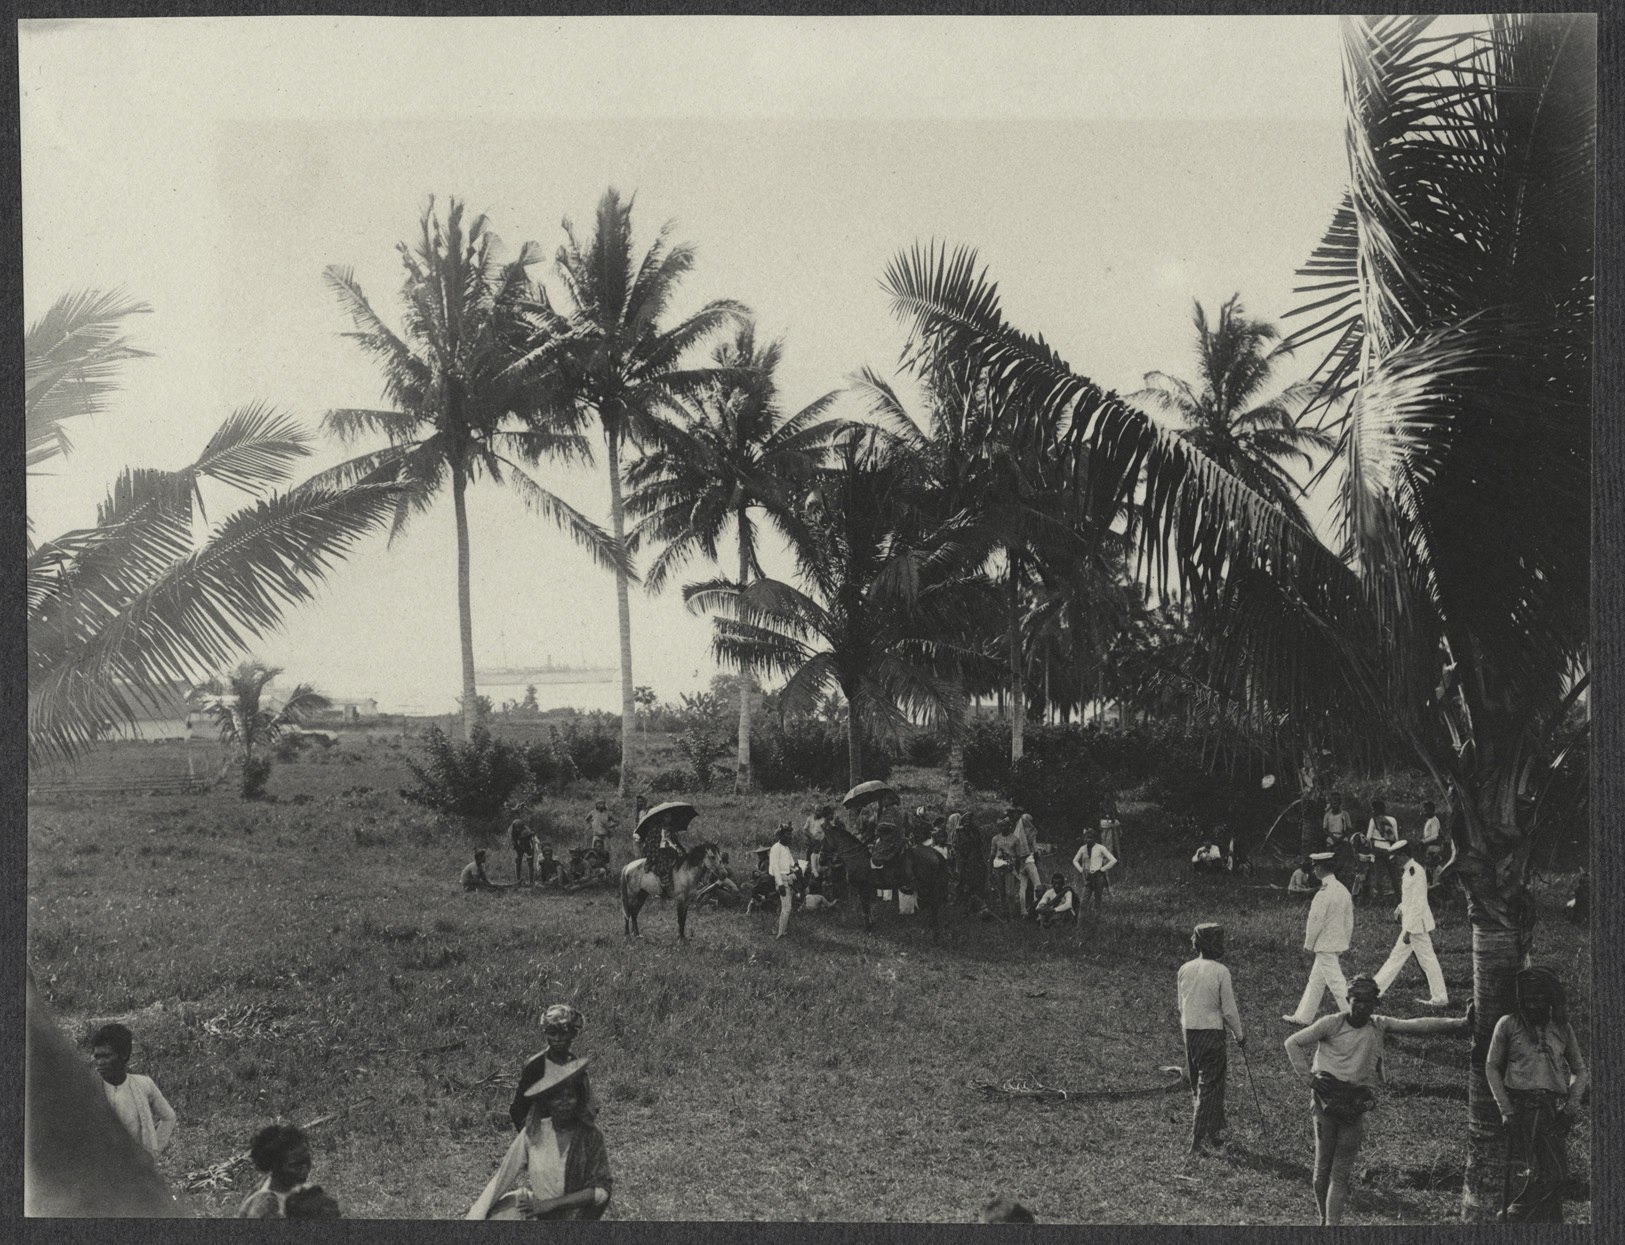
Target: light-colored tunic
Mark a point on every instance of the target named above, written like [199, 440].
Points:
[534, 1158]
[143, 1111]
[1207, 998]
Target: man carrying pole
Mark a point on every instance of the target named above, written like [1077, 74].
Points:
[1326, 936]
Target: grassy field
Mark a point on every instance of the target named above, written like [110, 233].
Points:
[313, 955]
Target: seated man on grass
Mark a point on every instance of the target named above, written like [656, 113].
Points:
[473, 876]
[594, 869]
[1058, 903]
[549, 872]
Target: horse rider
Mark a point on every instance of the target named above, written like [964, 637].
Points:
[888, 853]
[661, 848]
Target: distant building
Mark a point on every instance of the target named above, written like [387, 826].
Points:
[173, 717]
[348, 709]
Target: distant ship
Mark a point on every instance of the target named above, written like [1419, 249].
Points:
[519, 676]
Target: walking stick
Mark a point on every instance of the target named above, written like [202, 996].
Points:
[1252, 1084]
[1506, 1174]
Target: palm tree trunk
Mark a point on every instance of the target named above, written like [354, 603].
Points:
[1018, 707]
[955, 767]
[623, 612]
[854, 742]
[465, 611]
[747, 679]
[1498, 954]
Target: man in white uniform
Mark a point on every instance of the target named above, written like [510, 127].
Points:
[1416, 929]
[1326, 936]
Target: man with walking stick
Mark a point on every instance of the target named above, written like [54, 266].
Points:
[1207, 1007]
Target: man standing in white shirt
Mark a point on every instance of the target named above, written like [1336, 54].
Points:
[1326, 936]
[1416, 929]
[1093, 861]
[1207, 1009]
[781, 866]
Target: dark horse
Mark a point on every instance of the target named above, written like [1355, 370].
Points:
[931, 875]
[639, 883]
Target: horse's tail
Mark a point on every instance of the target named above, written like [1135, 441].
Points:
[628, 890]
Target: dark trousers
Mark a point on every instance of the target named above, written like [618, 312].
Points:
[1389, 868]
[1540, 1157]
[1207, 1060]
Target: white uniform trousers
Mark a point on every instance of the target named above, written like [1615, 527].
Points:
[1326, 974]
[1421, 946]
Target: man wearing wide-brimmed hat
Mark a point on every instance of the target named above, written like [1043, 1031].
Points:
[1326, 935]
[1207, 1008]
[1415, 927]
[561, 1026]
[557, 1167]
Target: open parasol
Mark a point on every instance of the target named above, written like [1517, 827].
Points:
[678, 812]
[866, 793]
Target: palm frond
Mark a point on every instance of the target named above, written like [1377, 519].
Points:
[97, 664]
[599, 543]
[72, 356]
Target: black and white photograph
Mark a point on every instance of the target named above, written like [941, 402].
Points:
[909, 619]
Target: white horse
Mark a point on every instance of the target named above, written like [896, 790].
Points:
[640, 883]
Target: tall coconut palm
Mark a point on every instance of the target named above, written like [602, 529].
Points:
[1227, 415]
[995, 493]
[235, 702]
[1460, 278]
[733, 450]
[1463, 311]
[621, 367]
[153, 594]
[464, 382]
[876, 610]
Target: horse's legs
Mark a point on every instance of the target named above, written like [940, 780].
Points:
[631, 902]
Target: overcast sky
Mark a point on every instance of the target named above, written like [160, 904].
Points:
[1109, 170]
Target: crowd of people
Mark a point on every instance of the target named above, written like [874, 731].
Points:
[1534, 1065]
[557, 1165]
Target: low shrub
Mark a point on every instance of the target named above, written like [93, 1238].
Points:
[288, 746]
[668, 781]
[808, 756]
[256, 773]
[593, 754]
[472, 780]
[700, 751]
[925, 749]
